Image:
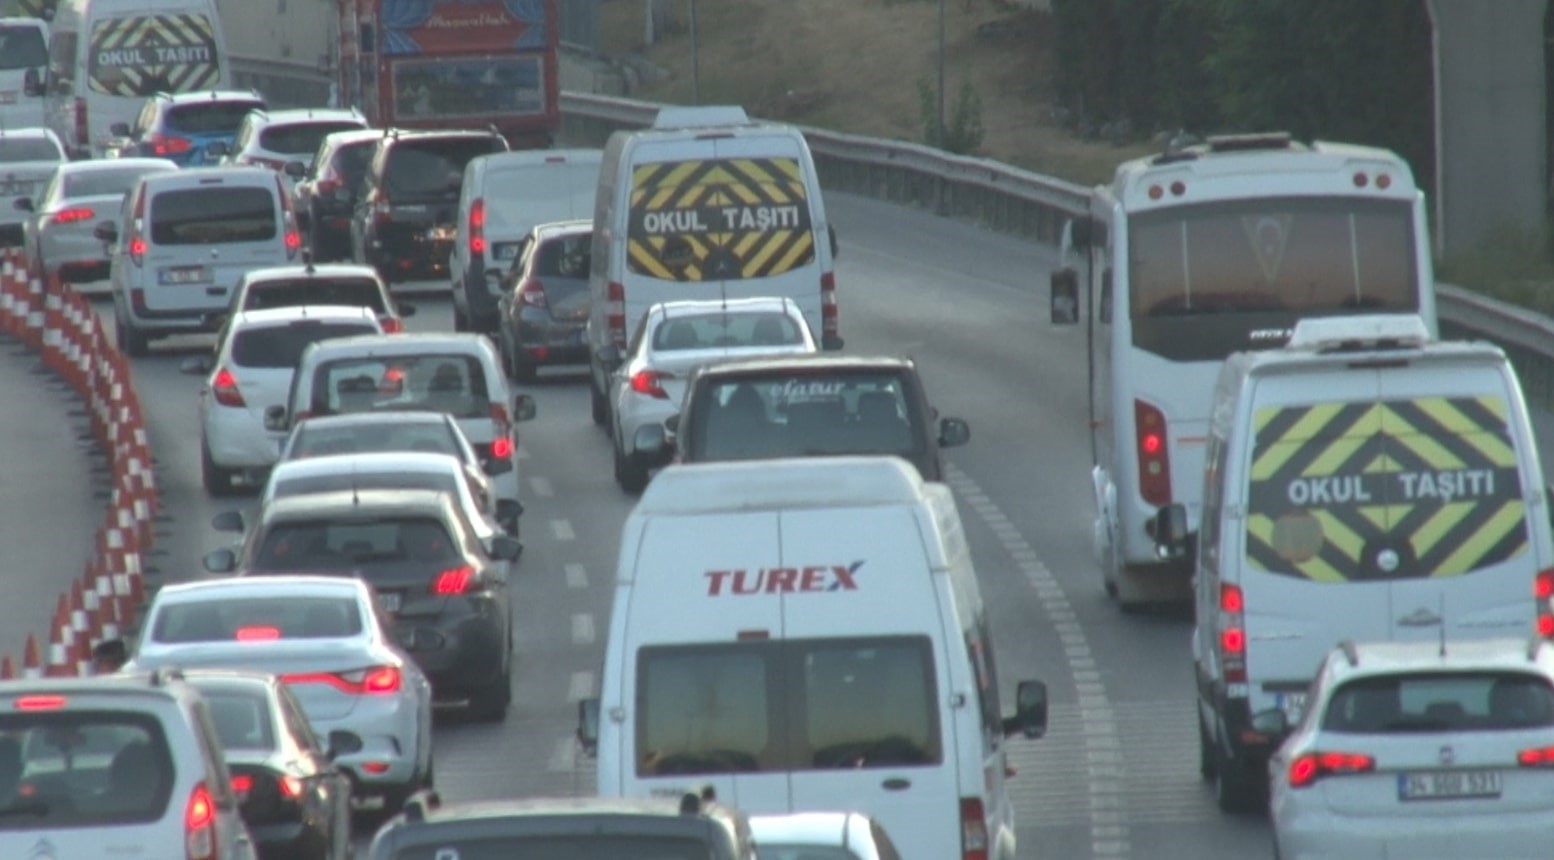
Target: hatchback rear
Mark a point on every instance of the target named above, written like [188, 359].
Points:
[544, 304]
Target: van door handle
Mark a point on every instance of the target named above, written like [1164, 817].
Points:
[215, 291]
[896, 783]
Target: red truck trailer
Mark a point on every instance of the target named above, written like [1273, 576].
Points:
[453, 64]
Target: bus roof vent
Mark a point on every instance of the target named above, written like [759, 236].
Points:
[1245, 142]
[1359, 333]
[698, 117]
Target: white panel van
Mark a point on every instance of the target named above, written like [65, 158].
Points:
[24, 64]
[808, 635]
[1363, 483]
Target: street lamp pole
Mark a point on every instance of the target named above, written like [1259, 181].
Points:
[696, 59]
[939, 111]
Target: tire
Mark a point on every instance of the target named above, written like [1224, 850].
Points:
[1235, 790]
[490, 704]
[632, 477]
[598, 406]
[133, 343]
[217, 481]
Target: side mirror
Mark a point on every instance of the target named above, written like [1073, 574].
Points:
[22, 204]
[119, 129]
[588, 725]
[650, 443]
[106, 231]
[217, 149]
[508, 509]
[831, 235]
[221, 561]
[610, 358]
[228, 521]
[405, 309]
[296, 169]
[1065, 297]
[197, 366]
[1030, 710]
[1273, 722]
[275, 418]
[953, 432]
[506, 548]
[524, 408]
[1171, 530]
[343, 743]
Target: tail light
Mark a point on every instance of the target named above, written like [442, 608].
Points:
[973, 829]
[223, 386]
[1543, 593]
[167, 144]
[532, 293]
[650, 382]
[1154, 459]
[242, 784]
[199, 825]
[137, 242]
[83, 134]
[73, 215]
[382, 207]
[289, 216]
[1536, 757]
[382, 679]
[290, 786]
[477, 226]
[1232, 633]
[828, 306]
[1312, 766]
[615, 313]
[391, 325]
[454, 581]
[502, 432]
[378, 679]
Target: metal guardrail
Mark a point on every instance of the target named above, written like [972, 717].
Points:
[1010, 200]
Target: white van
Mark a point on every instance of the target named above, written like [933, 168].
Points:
[807, 635]
[504, 196]
[24, 66]
[107, 56]
[1363, 483]
[706, 204]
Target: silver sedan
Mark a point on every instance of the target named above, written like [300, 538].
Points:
[57, 231]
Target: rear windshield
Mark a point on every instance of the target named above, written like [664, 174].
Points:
[103, 183]
[563, 257]
[29, 149]
[445, 482]
[792, 415]
[349, 292]
[592, 846]
[356, 544]
[707, 331]
[212, 216]
[21, 47]
[311, 441]
[218, 118]
[434, 167]
[242, 718]
[301, 138]
[257, 620]
[69, 768]
[281, 346]
[1441, 702]
[455, 384]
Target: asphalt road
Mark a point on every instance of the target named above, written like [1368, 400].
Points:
[1116, 776]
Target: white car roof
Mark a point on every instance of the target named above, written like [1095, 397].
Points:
[209, 96]
[108, 165]
[293, 313]
[263, 586]
[319, 270]
[1388, 658]
[193, 177]
[762, 304]
[801, 828]
[377, 418]
[528, 157]
[278, 117]
[371, 462]
[33, 132]
[412, 343]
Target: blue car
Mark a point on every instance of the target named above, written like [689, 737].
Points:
[182, 127]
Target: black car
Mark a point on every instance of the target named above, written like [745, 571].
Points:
[802, 406]
[544, 301]
[406, 220]
[447, 597]
[296, 803]
[599, 828]
[326, 195]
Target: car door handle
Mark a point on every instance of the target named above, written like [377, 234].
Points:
[896, 783]
[215, 291]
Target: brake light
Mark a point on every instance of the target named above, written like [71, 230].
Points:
[477, 226]
[615, 313]
[199, 825]
[242, 783]
[532, 293]
[379, 679]
[39, 703]
[291, 787]
[258, 634]
[501, 447]
[1310, 767]
[1232, 633]
[167, 144]
[501, 432]
[828, 307]
[391, 325]
[383, 679]
[650, 382]
[137, 243]
[1154, 459]
[73, 215]
[973, 829]
[1536, 757]
[224, 387]
[83, 134]
[453, 581]
[293, 237]
[1543, 593]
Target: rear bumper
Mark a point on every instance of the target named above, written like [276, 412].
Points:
[539, 339]
[390, 738]
[457, 658]
[405, 249]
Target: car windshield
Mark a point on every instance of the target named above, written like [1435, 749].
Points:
[21, 47]
[105, 183]
[242, 717]
[434, 167]
[29, 149]
[802, 414]
[215, 117]
[570, 846]
[1441, 702]
[717, 330]
[311, 441]
[301, 138]
[315, 290]
[257, 619]
[89, 768]
[381, 544]
[212, 216]
[281, 346]
[451, 383]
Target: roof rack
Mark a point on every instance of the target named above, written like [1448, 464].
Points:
[1350, 652]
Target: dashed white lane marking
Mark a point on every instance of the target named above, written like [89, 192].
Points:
[577, 575]
[581, 686]
[562, 530]
[542, 487]
[1103, 806]
[583, 628]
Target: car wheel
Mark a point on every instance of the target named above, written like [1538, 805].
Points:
[218, 481]
[631, 476]
[598, 406]
[490, 704]
[133, 343]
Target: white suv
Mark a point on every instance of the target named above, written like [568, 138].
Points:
[1419, 749]
[130, 760]
[254, 361]
[181, 242]
[278, 138]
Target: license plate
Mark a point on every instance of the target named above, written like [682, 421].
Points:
[184, 275]
[1448, 784]
[1292, 704]
[389, 600]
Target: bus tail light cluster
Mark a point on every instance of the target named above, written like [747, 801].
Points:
[1149, 425]
[615, 313]
[1232, 633]
[502, 433]
[1543, 594]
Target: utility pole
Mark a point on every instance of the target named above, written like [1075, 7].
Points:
[938, 133]
[696, 59]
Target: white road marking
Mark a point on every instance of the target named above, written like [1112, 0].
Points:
[581, 687]
[562, 530]
[577, 576]
[583, 628]
[541, 487]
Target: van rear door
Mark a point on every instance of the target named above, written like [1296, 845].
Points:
[203, 238]
[869, 673]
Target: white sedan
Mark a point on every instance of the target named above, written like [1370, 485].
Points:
[1419, 749]
[675, 338]
[58, 230]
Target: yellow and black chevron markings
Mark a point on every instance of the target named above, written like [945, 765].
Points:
[1390, 490]
[143, 54]
[719, 219]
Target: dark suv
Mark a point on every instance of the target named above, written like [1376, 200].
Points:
[447, 597]
[326, 195]
[406, 220]
[804, 406]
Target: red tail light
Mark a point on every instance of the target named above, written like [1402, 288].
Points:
[501, 432]
[650, 382]
[137, 242]
[1232, 633]
[1312, 766]
[224, 388]
[477, 226]
[293, 237]
[1543, 593]
[391, 325]
[532, 293]
[199, 825]
[83, 132]
[242, 784]
[379, 679]
[615, 313]
[383, 679]
[74, 215]
[39, 703]
[501, 447]
[973, 829]
[291, 787]
[167, 144]
[454, 581]
[1536, 757]
[828, 306]
[1154, 459]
